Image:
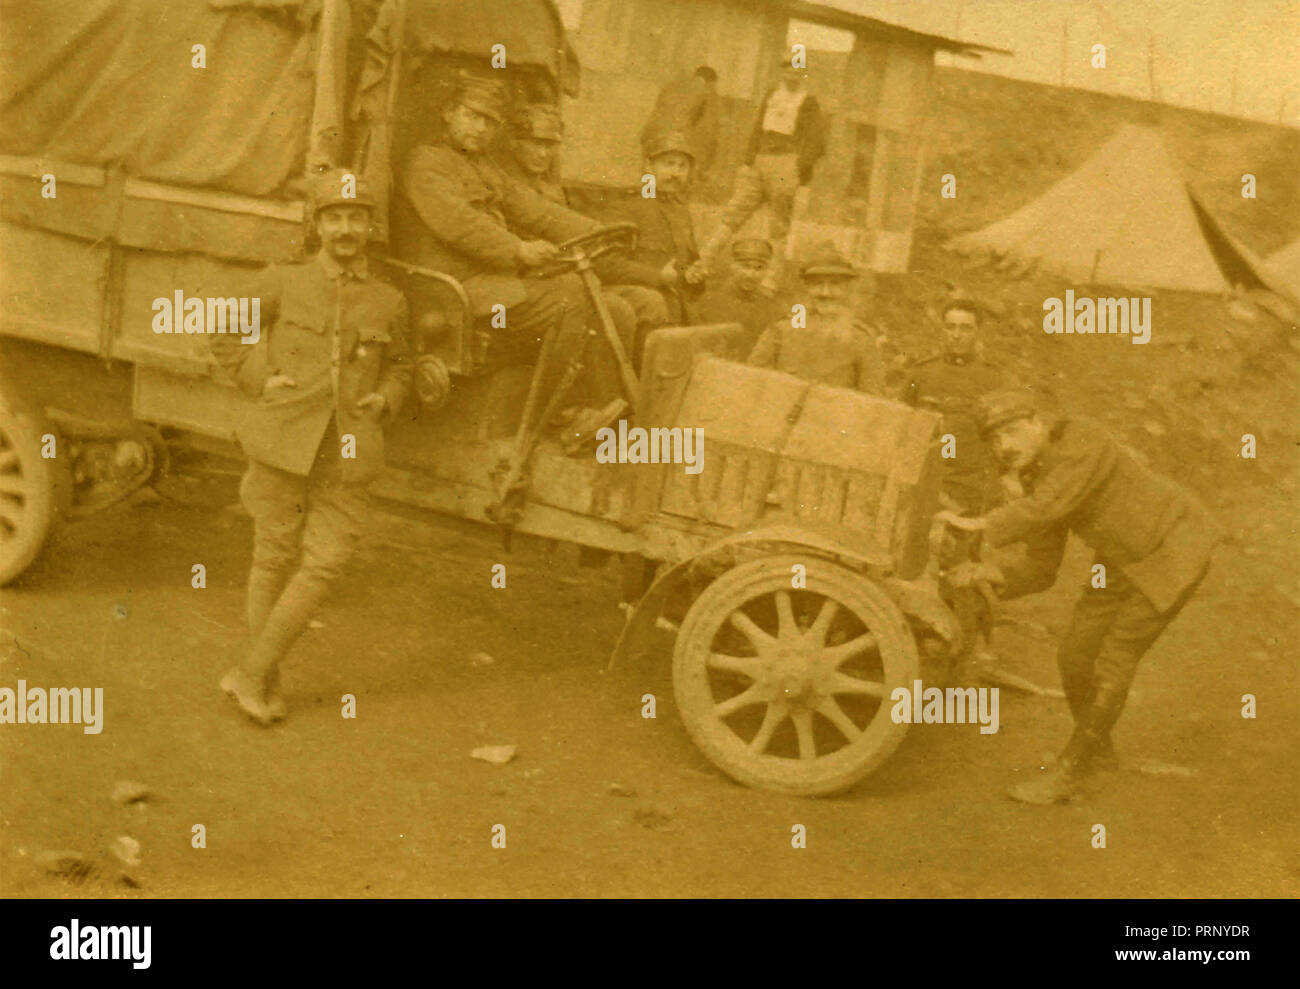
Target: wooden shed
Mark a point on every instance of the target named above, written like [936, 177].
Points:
[872, 77]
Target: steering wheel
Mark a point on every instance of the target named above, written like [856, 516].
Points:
[588, 247]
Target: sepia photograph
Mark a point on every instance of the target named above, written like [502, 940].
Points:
[650, 449]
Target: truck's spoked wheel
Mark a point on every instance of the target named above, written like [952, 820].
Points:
[789, 689]
[26, 493]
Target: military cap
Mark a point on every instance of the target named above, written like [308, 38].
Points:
[751, 249]
[662, 142]
[541, 122]
[825, 260]
[327, 189]
[962, 300]
[997, 408]
[481, 94]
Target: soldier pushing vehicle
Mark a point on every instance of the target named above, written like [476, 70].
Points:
[330, 369]
[1152, 541]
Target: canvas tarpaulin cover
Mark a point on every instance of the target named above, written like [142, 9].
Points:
[111, 82]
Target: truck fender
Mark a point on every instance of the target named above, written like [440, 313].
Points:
[918, 603]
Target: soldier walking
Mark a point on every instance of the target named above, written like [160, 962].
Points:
[1151, 537]
[787, 142]
[328, 371]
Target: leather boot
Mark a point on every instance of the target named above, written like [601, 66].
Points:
[1058, 782]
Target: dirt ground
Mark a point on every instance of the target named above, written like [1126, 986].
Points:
[599, 801]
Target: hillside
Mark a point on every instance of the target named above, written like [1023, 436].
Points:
[1215, 368]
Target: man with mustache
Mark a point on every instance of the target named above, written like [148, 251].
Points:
[328, 372]
[1152, 537]
[459, 212]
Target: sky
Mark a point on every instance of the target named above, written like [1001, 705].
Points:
[1192, 48]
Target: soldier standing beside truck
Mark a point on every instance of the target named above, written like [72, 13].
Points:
[329, 370]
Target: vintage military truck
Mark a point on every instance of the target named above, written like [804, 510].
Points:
[788, 565]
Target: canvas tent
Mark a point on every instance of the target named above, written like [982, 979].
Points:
[1125, 217]
[1285, 264]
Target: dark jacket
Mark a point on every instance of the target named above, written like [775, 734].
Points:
[808, 143]
[952, 389]
[1151, 529]
[306, 309]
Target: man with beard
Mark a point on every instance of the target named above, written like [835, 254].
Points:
[827, 343]
[329, 370]
[1152, 541]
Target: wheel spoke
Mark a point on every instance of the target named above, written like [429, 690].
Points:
[748, 666]
[772, 718]
[836, 655]
[785, 623]
[835, 714]
[803, 727]
[746, 698]
[830, 608]
[842, 683]
[745, 625]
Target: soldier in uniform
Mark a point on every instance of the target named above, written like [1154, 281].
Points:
[533, 147]
[663, 275]
[328, 371]
[787, 142]
[836, 346]
[1152, 537]
[460, 213]
[951, 383]
[737, 298]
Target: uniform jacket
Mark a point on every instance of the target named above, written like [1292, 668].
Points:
[952, 389]
[1155, 532]
[307, 311]
[665, 233]
[727, 304]
[464, 215]
[841, 352]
